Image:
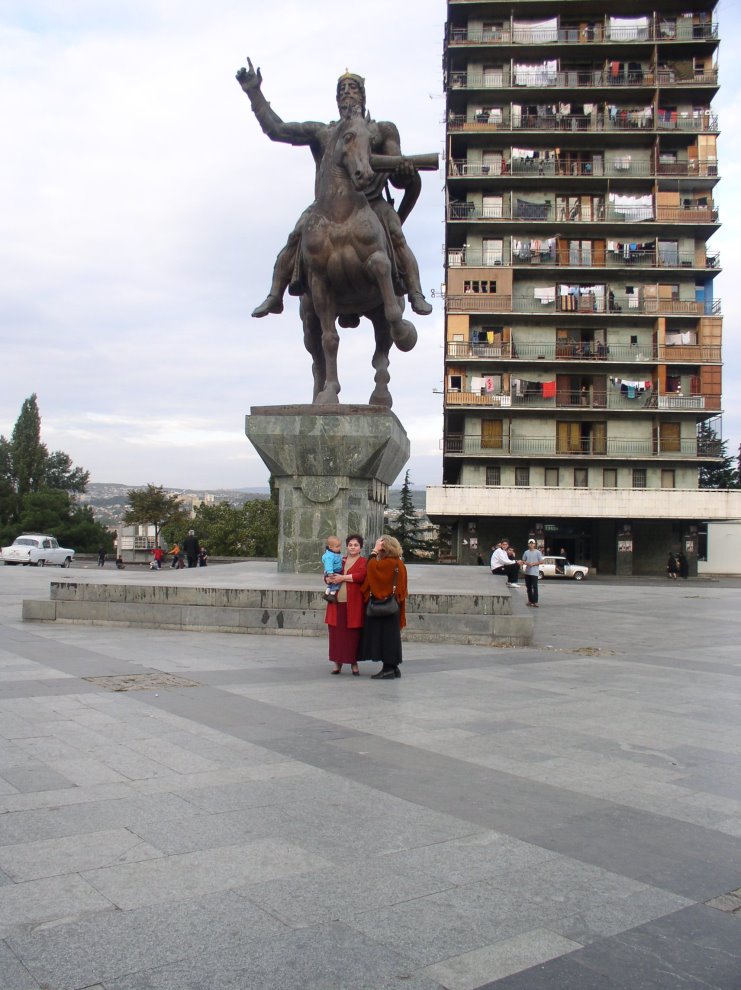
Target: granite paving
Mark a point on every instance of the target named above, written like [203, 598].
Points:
[565, 815]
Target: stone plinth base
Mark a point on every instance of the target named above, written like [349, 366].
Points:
[332, 467]
[470, 619]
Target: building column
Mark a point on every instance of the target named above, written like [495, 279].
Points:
[624, 556]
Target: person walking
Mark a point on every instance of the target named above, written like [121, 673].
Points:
[531, 560]
[190, 548]
[386, 578]
[345, 614]
[683, 565]
[671, 567]
[101, 557]
[175, 551]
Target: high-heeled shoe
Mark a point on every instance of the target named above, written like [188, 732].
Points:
[355, 672]
[337, 670]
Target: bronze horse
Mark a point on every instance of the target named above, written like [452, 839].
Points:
[346, 264]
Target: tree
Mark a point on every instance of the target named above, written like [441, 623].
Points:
[723, 475]
[53, 511]
[28, 470]
[152, 506]
[28, 455]
[407, 527]
[248, 531]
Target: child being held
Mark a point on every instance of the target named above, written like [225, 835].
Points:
[332, 564]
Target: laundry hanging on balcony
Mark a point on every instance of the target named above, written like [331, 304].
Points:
[549, 390]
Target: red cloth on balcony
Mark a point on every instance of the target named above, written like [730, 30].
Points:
[549, 390]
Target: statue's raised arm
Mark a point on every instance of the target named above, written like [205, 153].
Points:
[307, 132]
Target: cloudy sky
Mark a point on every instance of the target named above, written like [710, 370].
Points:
[142, 209]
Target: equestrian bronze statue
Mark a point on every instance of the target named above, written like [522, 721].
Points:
[347, 256]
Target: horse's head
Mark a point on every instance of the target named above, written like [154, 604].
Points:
[353, 150]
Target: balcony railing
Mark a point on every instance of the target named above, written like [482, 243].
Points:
[584, 351]
[633, 305]
[542, 78]
[592, 34]
[608, 447]
[619, 168]
[597, 214]
[599, 121]
[469, 258]
[586, 399]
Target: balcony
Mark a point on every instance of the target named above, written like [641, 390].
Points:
[593, 34]
[610, 447]
[601, 121]
[619, 168]
[693, 354]
[633, 305]
[547, 212]
[469, 258]
[587, 400]
[598, 78]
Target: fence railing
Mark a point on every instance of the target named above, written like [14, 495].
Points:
[594, 33]
[609, 304]
[598, 121]
[566, 350]
[598, 447]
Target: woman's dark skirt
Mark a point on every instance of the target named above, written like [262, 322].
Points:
[344, 643]
[382, 641]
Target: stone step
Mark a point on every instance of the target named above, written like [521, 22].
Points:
[463, 618]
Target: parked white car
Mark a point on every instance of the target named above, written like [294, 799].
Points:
[561, 568]
[36, 550]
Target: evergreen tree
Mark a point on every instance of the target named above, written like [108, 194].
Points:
[28, 455]
[407, 528]
[152, 506]
[36, 487]
[723, 475]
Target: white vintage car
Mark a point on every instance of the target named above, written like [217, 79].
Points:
[36, 550]
[561, 568]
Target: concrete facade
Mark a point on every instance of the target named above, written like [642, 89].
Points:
[583, 337]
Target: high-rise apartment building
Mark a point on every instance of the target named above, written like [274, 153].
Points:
[583, 336]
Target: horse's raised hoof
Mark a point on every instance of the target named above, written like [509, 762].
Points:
[404, 335]
[380, 399]
[419, 304]
[349, 322]
[273, 304]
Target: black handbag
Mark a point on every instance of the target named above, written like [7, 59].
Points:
[381, 608]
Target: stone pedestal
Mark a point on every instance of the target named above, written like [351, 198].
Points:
[332, 467]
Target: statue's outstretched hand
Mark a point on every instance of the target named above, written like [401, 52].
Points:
[404, 171]
[249, 79]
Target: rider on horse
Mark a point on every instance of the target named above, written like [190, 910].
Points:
[350, 101]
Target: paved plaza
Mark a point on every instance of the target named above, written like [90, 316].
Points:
[558, 817]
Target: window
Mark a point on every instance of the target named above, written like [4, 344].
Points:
[639, 477]
[609, 478]
[522, 477]
[480, 285]
[494, 475]
[581, 478]
[455, 383]
[667, 479]
[551, 477]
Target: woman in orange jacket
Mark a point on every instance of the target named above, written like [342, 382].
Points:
[386, 576]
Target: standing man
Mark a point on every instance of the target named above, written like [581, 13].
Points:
[502, 563]
[191, 548]
[532, 559]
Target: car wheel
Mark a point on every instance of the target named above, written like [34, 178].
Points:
[40, 563]
[541, 574]
[67, 562]
[578, 576]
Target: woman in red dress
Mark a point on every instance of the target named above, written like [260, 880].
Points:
[345, 618]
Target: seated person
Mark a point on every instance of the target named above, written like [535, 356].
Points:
[502, 563]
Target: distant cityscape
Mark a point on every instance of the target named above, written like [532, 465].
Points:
[109, 502]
